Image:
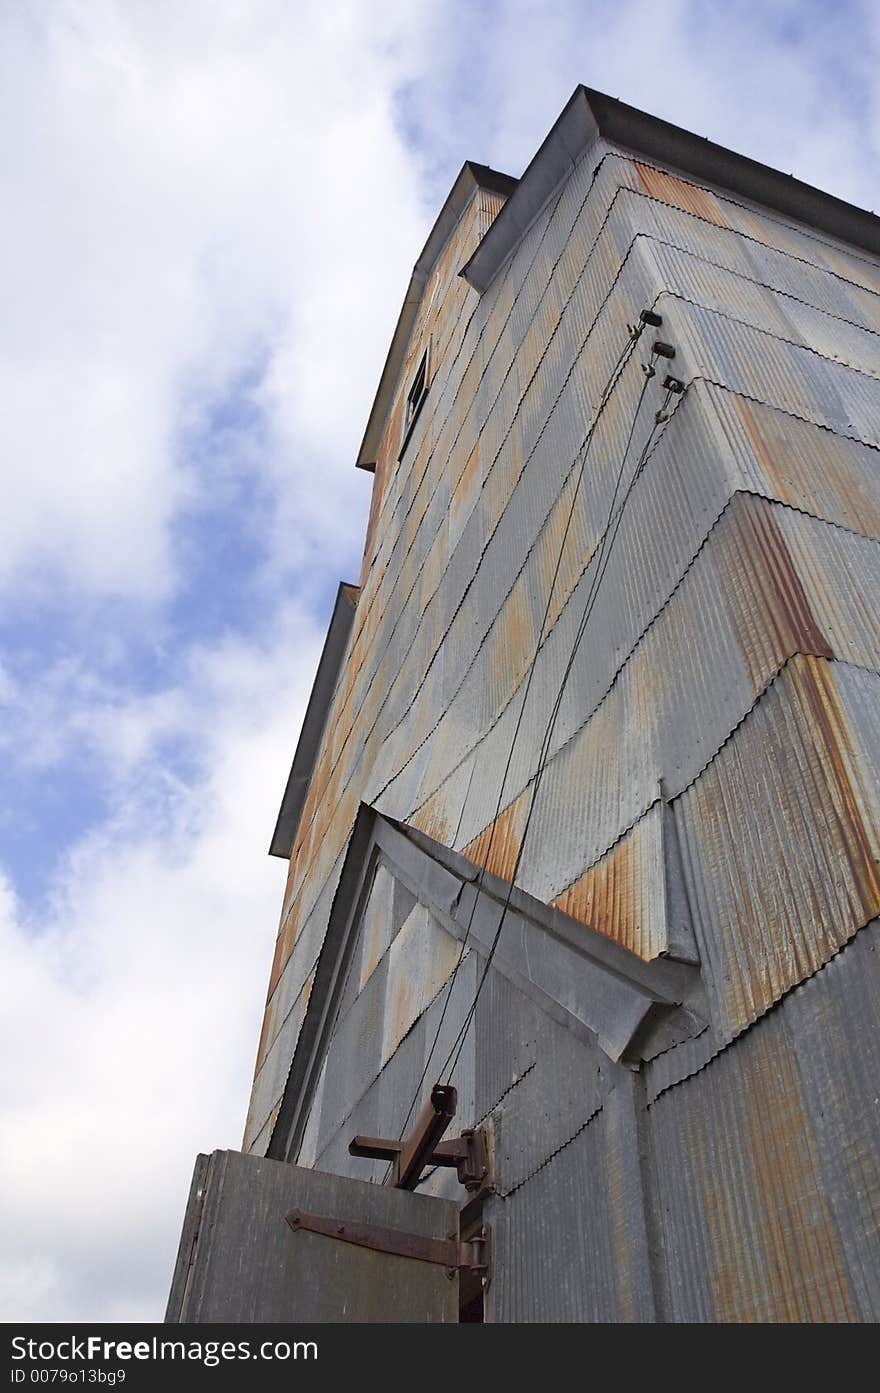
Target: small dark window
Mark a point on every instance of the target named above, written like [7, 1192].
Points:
[414, 398]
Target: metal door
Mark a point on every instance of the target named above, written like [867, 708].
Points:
[239, 1261]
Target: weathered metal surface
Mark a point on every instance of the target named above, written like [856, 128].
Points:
[506, 1031]
[382, 1108]
[549, 1104]
[797, 462]
[624, 894]
[786, 804]
[746, 300]
[768, 585]
[769, 369]
[768, 1164]
[245, 1264]
[570, 1241]
[725, 691]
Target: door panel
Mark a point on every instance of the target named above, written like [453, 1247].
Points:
[240, 1262]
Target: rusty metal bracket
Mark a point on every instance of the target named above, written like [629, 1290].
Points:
[468, 1154]
[409, 1156]
[453, 1253]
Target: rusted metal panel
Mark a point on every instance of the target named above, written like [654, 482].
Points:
[839, 575]
[719, 211]
[768, 369]
[497, 847]
[780, 841]
[800, 277]
[739, 614]
[689, 687]
[767, 1160]
[740, 1181]
[668, 189]
[623, 894]
[799, 463]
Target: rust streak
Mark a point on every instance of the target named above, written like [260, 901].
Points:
[688, 197]
[497, 846]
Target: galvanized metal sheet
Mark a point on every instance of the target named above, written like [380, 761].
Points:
[506, 1033]
[240, 1263]
[767, 1160]
[684, 639]
[570, 1243]
[393, 1099]
[785, 803]
[549, 1104]
[746, 300]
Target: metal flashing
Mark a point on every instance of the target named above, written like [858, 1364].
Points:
[314, 721]
[471, 177]
[589, 116]
[579, 977]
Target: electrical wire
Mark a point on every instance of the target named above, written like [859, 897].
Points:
[543, 757]
[614, 377]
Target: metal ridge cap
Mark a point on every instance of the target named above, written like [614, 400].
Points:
[589, 115]
[470, 178]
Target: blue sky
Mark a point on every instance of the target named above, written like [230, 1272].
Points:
[211, 215]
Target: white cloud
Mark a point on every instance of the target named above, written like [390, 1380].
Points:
[188, 185]
[128, 1017]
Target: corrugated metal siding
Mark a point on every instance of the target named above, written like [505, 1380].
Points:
[769, 584]
[623, 895]
[570, 1241]
[767, 1161]
[506, 1031]
[780, 841]
[725, 687]
[380, 1109]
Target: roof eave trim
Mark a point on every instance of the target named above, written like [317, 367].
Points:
[315, 719]
[574, 130]
[590, 115]
[471, 177]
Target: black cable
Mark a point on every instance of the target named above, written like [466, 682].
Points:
[582, 456]
[458, 1043]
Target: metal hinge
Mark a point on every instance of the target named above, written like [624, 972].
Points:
[453, 1253]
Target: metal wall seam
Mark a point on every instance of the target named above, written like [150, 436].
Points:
[763, 307]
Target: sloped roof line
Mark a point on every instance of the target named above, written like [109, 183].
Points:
[586, 982]
[472, 176]
[590, 115]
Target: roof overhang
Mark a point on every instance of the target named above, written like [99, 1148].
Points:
[634, 1010]
[471, 177]
[314, 721]
[590, 116]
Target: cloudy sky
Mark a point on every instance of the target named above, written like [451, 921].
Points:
[211, 210]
